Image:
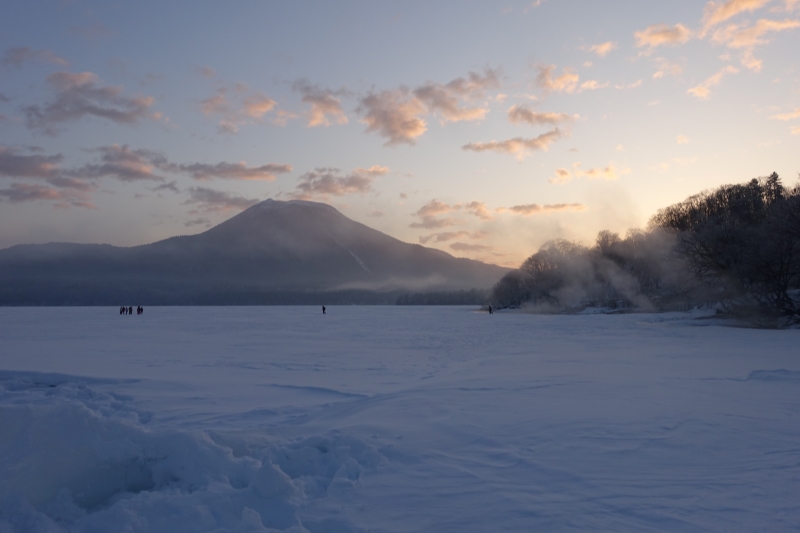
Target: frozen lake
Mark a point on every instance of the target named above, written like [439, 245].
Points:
[394, 419]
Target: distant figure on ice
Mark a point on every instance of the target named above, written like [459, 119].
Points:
[323, 309]
[491, 312]
[130, 310]
[122, 310]
[139, 310]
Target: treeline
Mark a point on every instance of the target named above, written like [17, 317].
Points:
[737, 246]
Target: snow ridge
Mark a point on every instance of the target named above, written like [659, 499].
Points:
[78, 459]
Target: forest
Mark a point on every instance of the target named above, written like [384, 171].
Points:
[735, 248]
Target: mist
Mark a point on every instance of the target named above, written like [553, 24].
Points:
[735, 249]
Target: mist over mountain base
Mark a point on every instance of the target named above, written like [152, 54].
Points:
[51, 295]
[393, 419]
[274, 253]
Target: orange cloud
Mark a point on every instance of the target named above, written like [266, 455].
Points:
[521, 113]
[397, 115]
[242, 107]
[435, 208]
[325, 104]
[438, 98]
[716, 12]
[567, 82]
[445, 99]
[750, 62]
[517, 146]
[787, 116]
[746, 38]
[479, 210]
[703, 91]
[428, 213]
[662, 35]
[257, 105]
[592, 85]
[634, 85]
[603, 49]
[735, 36]
[562, 176]
[536, 209]
[610, 173]
[666, 67]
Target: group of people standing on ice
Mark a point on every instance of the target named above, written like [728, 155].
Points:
[129, 310]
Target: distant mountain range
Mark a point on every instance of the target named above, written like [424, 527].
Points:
[273, 253]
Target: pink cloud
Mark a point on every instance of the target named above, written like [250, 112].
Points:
[18, 56]
[235, 171]
[394, 115]
[23, 192]
[237, 105]
[521, 113]
[213, 201]
[15, 164]
[82, 95]
[398, 115]
[325, 182]
[325, 104]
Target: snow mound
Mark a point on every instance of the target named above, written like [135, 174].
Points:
[73, 459]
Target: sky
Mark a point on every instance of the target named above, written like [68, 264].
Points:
[483, 129]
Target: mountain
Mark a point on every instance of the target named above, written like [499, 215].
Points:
[274, 252]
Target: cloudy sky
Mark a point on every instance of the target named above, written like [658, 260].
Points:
[480, 128]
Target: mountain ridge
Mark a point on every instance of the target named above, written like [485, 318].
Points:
[272, 247]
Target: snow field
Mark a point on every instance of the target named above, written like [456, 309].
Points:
[394, 419]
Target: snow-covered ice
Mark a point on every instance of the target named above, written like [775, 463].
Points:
[394, 419]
